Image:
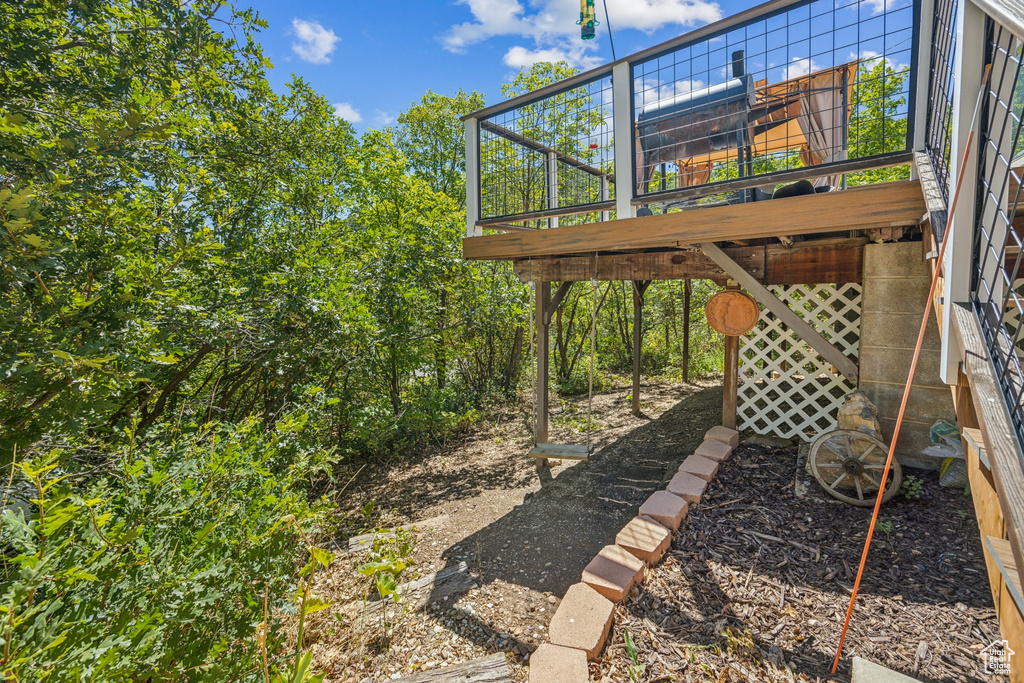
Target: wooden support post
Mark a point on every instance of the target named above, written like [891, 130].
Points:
[638, 312]
[472, 138]
[730, 371]
[639, 289]
[540, 430]
[687, 289]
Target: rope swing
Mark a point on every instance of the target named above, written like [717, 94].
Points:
[564, 451]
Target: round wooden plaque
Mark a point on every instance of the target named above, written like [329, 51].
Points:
[732, 312]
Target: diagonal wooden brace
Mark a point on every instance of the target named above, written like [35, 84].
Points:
[823, 346]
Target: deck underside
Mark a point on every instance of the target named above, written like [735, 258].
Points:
[886, 205]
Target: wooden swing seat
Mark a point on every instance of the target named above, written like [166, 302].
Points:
[560, 451]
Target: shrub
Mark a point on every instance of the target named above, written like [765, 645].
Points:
[159, 568]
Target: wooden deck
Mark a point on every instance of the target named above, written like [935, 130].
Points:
[896, 204]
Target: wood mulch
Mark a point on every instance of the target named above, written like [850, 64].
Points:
[756, 586]
[525, 539]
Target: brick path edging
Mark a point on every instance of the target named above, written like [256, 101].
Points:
[582, 622]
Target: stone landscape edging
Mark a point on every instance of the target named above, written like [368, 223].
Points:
[580, 627]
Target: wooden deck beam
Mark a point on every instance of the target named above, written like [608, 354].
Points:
[874, 206]
[819, 261]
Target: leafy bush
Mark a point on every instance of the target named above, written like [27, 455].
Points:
[578, 384]
[158, 569]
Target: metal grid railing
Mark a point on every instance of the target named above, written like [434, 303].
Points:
[815, 84]
[941, 82]
[999, 217]
[541, 158]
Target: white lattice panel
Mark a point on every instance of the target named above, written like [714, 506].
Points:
[785, 387]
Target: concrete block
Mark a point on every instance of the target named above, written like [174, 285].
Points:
[664, 508]
[914, 439]
[714, 450]
[869, 672]
[723, 434]
[613, 571]
[895, 294]
[556, 664]
[881, 364]
[894, 259]
[926, 404]
[687, 486]
[582, 620]
[644, 538]
[897, 330]
[700, 466]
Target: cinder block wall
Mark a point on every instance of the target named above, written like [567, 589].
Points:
[895, 289]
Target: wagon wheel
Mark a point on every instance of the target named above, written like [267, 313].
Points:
[849, 464]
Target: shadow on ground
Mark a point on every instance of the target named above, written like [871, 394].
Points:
[545, 542]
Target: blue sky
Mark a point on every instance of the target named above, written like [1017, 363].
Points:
[372, 58]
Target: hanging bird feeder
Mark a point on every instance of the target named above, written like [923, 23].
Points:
[588, 20]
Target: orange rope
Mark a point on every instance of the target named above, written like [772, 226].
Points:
[913, 368]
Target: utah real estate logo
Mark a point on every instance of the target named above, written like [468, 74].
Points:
[997, 657]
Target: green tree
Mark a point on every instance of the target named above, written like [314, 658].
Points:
[878, 123]
[432, 137]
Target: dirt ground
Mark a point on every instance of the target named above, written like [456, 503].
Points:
[526, 540]
[725, 605]
[729, 605]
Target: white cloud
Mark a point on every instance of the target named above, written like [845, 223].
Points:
[877, 6]
[314, 43]
[869, 59]
[518, 57]
[344, 110]
[800, 66]
[551, 25]
[382, 118]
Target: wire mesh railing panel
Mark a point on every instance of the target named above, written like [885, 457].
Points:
[816, 84]
[999, 217]
[548, 155]
[941, 81]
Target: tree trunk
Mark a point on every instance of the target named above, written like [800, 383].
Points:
[514, 360]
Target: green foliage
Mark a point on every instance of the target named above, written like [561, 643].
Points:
[388, 559]
[635, 668]
[159, 566]
[912, 487]
[432, 138]
[878, 122]
[300, 673]
[189, 262]
[662, 348]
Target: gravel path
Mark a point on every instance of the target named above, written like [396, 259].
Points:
[526, 538]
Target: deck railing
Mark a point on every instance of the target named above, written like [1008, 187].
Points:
[822, 90]
[542, 157]
[998, 255]
[941, 82]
